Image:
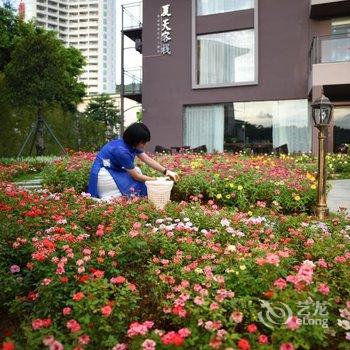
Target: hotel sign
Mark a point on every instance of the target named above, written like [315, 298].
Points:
[164, 32]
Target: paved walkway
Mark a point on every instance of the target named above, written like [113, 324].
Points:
[339, 195]
[34, 184]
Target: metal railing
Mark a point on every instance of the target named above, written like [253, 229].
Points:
[132, 81]
[330, 49]
[132, 16]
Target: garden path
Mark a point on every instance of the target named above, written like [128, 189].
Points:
[339, 195]
[32, 184]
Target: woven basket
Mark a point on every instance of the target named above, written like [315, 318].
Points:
[159, 191]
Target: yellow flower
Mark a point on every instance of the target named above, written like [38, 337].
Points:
[313, 187]
[228, 196]
[232, 185]
[250, 213]
[239, 188]
[297, 198]
[242, 267]
[219, 196]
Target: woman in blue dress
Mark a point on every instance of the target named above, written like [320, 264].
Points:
[113, 172]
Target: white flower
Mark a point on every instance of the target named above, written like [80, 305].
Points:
[224, 222]
[344, 324]
[231, 248]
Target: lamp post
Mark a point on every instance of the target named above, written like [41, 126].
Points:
[322, 114]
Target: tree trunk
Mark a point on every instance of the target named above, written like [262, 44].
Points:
[40, 145]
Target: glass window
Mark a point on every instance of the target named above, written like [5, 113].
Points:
[225, 58]
[208, 7]
[259, 126]
[204, 125]
[341, 127]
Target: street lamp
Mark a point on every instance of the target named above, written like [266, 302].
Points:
[322, 114]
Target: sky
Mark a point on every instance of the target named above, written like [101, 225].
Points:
[132, 57]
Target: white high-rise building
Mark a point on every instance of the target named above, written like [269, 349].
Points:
[88, 25]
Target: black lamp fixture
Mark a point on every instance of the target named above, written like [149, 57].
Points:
[322, 112]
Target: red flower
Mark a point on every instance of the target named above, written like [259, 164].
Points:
[252, 328]
[8, 345]
[106, 310]
[64, 279]
[243, 344]
[84, 278]
[78, 296]
[172, 338]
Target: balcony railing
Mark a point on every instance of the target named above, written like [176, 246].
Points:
[132, 81]
[330, 49]
[132, 16]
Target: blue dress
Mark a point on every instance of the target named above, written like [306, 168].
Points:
[116, 156]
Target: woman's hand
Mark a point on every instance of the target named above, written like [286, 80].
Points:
[174, 176]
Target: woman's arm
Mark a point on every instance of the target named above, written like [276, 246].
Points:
[156, 166]
[139, 177]
[151, 162]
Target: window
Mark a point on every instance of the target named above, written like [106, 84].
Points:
[259, 126]
[226, 58]
[208, 7]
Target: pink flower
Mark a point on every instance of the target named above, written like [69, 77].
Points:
[287, 346]
[236, 316]
[280, 283]
[48, 340]
[198, 301]
[214, 306]
[56, 345]
[149, 344]
[15, 269]
[263, 339]
[66, 311]
[139, 328]
[73, 326]
[84, 339]
[293, 323]
[272, 259]
[118, 280]
[41, 323]
[120, 347]
[46, 281]
[323, 288]
[184, 332]
[106, 310]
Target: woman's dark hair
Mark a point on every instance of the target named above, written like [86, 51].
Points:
[136, 133]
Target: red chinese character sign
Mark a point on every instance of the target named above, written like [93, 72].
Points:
[164, 34]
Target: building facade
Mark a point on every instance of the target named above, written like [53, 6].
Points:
[243, 73]
[88, 25]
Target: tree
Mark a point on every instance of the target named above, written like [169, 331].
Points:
[11, 27]
[103, 109]
[42, 72]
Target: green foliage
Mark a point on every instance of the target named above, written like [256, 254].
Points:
[43, 71]
[103, 109]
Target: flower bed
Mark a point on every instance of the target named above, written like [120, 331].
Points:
[81, 275]
[231, 180]
[11, 168]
